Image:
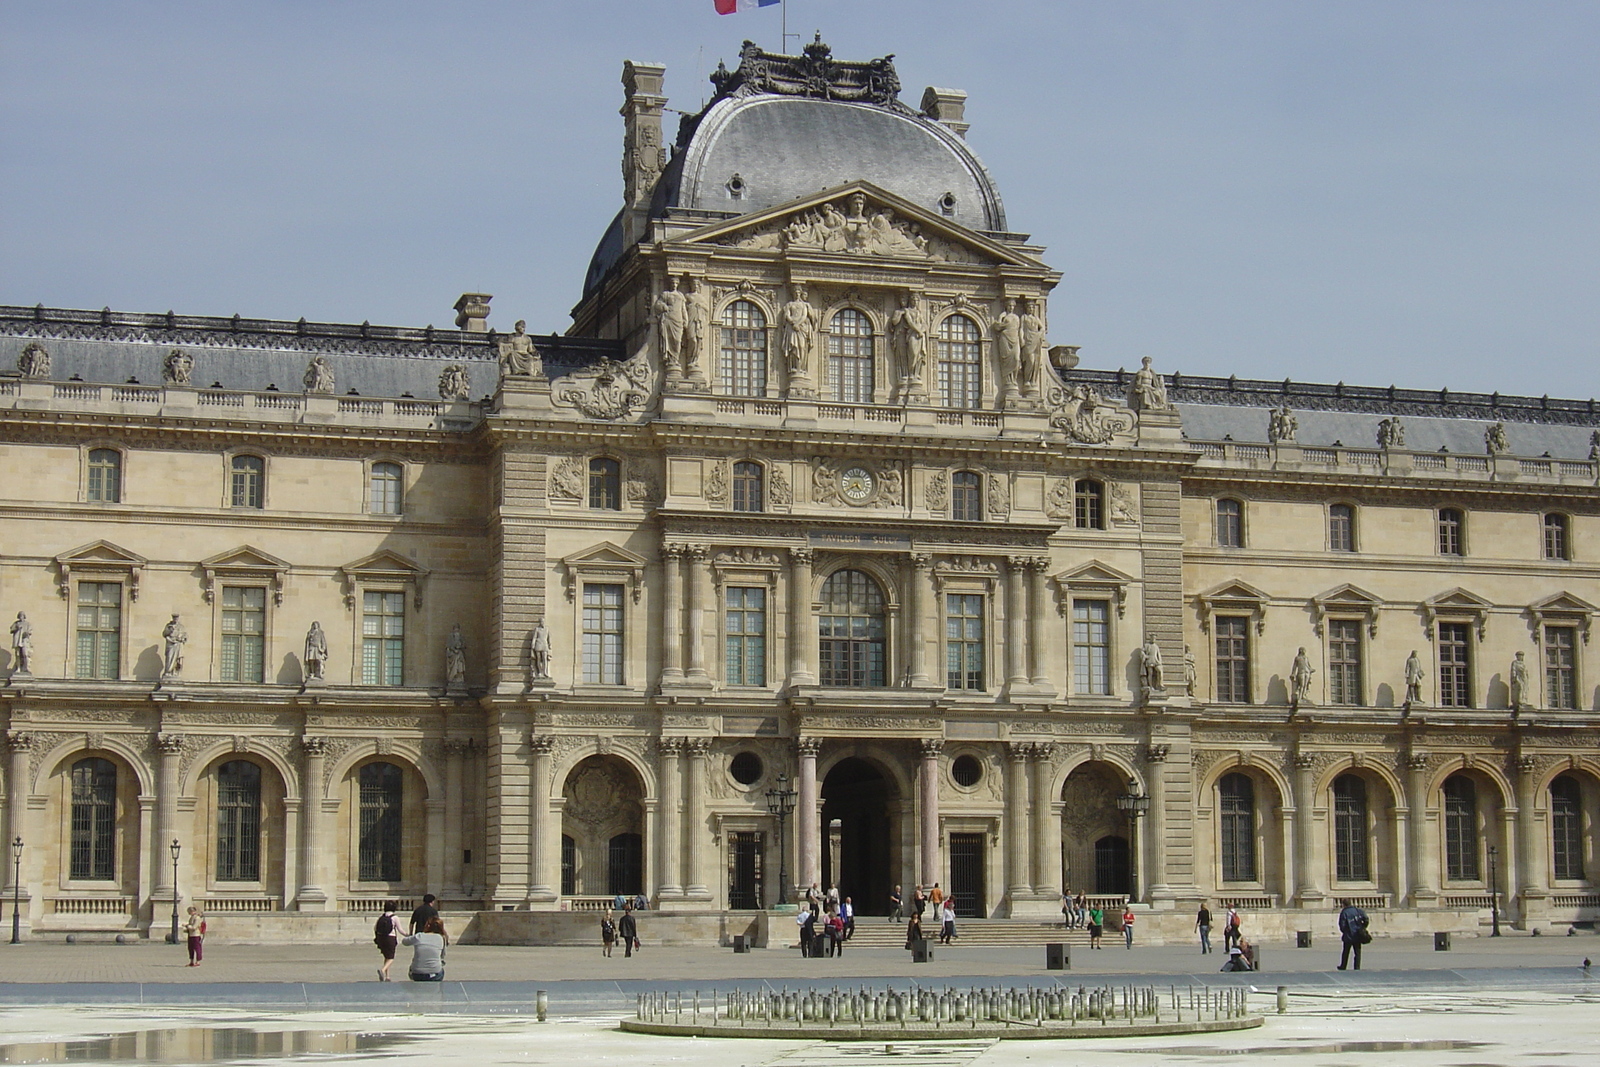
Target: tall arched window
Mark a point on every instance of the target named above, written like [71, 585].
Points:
[850, 358]
[239, 822]
[851, 630]
[105, 476]
[960, 362]
[94, 820]
[382, 789]
[966, 496]
[1230, 523]
[1460, 829]
[742, 362]
[1350, 829]
[248, 488]
[747, 487]
[1566, 827]
[1088, 504]
[384, 489]
[605, 484]
[1236, 797]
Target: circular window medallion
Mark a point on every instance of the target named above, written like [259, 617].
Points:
[746, 768]
[967, 771]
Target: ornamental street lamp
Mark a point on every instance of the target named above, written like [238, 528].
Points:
[16, 891]
[781, 801]
[1494, 895]
[176, 849]
[1135, 805]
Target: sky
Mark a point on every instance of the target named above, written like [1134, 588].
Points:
[1378, 193]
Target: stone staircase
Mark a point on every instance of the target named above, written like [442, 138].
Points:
[874, 931]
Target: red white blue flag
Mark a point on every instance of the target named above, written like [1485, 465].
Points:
[728, 7]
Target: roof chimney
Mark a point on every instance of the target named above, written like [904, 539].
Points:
[643, 155]
[472, 312]
[948, 106]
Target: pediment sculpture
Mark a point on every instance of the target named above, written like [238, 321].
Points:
[609, 389]
[852, 227]
[1080, 412]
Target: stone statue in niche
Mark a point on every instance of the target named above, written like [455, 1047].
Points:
[1149, 392]
[539, 646]
[1282, 425]
[1519, 682]
[908, 338]
[1300, 673]
[800, 323]
[1391, 433]
[173, 637]
[697, 328]
[671, 310]
[455, 659]
[1495, 440]
[1152, 677]
[1033, 348]
[1414, 676]
[1007, 331]
[22, 645]
[316, 653]
[177, 368]
[454, 383]
[319, 376]
[518, 356]
[1191, 675]
[34, 362]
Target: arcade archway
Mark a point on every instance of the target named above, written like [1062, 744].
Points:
[857, 834]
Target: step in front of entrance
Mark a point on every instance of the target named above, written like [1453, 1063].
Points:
[876, 932]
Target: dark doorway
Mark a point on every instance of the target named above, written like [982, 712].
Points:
[855, 828]
[744, 869]
[626, 865]
[1111, 867]
[966, 875]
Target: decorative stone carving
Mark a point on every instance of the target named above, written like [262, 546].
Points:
[1148, 391]
[1082, 414]
[173, 637]
[1519, 682]
[1495, 441]
[671, 311]
[455, 659]
[1007, 332]
[813, 73]
[1151, 674]
[1391, 433]
[1282, 425]
[1191, 675]
[747, 555]
[853, 231]
[608, 389]
[566, 478]
[808, 746]
[799, 334]
[999, 496]
[963, 565]
[1124, 512]
[21, 645]
[824, 483]
[177, 368]
[518, 356]
[778, 490]
[34, 362]
[697, 328]
[1155, 753]
[642, 488]
[316, 653]
[539, 650]
[1058, 501]
[1031, 353]
[168, 744]
[891, 488]
[1594, 446]
[930, 747]
[454, 383]
[908, 340]
[1300, 673]
[717, 483]
[319, 376]
[936, 494]
[1414, 677]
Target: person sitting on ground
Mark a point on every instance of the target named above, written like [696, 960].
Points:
[1236, 961]
[427, 952]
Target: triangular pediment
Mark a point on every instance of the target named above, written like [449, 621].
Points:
[1563, 604]
[1347, 596]
[244, 558]
[101, 552]
[605, 554]
[1095, 573]
[858, 220]
[1458, 599]
[1235, 591]
[385, 562]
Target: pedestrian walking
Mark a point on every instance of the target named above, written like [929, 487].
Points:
[386, 935]
[420, 915]
[1353, 932]
[1097, 920]
[807, 920]
[1127, 925]
[947, 921]
[608, 934]
[427, 952]
[897, 906]
[1230, 929]
[847, 912]
[194, 928]
[814, 898]
[835, 928]
[913, 931]
[936, 896]
[1202, 923]
[919, 904]
[628, 930]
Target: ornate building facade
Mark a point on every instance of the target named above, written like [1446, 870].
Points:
[804, 502]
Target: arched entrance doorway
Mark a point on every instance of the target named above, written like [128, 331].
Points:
[857, 837]
[602, 828]
[1095, 836]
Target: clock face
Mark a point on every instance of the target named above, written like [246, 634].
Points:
[856, 484]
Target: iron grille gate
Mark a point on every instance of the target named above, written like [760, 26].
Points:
[744, 869]
[966, 874]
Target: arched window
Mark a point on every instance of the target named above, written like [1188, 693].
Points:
[960, 362]
[1341, 528]
[1452, 527]
[384, 489]
[747, 487]
[1460, 829]
[1236, 796]
[1230, 523]
[238, 822]
[851, 630]
[966, 496]
[850, 358]
[1556, 544]
[1350, 829]
[605, 484]
[625, 865]
[94, 820]
[382, 788]
[742, 363]
[1088, 504]
[248, 488]
[1566, 827]
[105, 476]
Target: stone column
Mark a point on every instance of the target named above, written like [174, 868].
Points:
[1530, 851]
[672, 614]
[18, 746]
[802, 622]
[1046, 869]
[1424, 864]
[1307, 894]
[1017, 836]
[312, 897]
[543, 882]
[454, 749]
[170, 747]
[699, 579]
[808, 810]
[1038, 617]
[1016, 617]
[1154, 860]
[670, 887]
[929, 867]
[921, 565]
[694, 819]
[433, 819]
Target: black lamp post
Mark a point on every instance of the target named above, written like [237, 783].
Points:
[1134, 805]
[176, 849]
[16, 891]
[781, 801]
[1494, 895]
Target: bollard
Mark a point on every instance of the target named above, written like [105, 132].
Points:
[541, 1002]
[1283, 999]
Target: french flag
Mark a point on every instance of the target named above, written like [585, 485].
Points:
[728, 7]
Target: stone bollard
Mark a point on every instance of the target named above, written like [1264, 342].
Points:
[1283, 999]
[541, 1002]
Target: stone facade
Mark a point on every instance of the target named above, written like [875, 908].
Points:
[805, 502]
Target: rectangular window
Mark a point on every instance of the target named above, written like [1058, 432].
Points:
[1450, 524]
[244, 629]
[1560, 667]
[747, 636]
[963, 647]
[1566, 827]
[1091, 647]
[105, 476]
[602, 634]
[1344, 661]
[1233, 659]
[1342, 528]
[99, 630]
[966, 496]
[1230, 524]
[1455, 665]
[383, 632]
[1555, 537]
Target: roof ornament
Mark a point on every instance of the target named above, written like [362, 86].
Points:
[813, 73]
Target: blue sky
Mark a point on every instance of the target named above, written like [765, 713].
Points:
[1379, 193]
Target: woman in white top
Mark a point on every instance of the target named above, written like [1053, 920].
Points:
[947, 921]
[427, 952]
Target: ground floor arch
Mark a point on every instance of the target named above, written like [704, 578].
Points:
[603, 828]
[860, 813]
[1096, 837]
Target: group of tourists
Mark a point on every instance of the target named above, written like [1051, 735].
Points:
[625, 927]
[826, 922]
[425, 934]
[936, 900]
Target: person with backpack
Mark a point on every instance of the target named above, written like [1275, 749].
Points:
[608, 934]
[194, 928]
[1230, 928]
[386, 935]
[1353, 932]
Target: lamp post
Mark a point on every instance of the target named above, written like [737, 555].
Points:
[781, 801]
[1135, 805]
[16, 891]
[176, 849]
[1494, 895]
